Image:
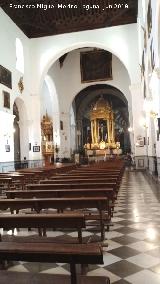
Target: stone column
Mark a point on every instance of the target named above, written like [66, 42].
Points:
[92, 131]
[34, 129]
[140, 153]
[6, 141]
[108, 128]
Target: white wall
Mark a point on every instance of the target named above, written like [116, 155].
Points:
[47, 50]
[8, 34]
[46, 102]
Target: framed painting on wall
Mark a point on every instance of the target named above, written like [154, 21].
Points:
[36, 148]
[141, 163]
[96, 65]
[61, 125]
[5, 77]
[7, 148]
[6, 99]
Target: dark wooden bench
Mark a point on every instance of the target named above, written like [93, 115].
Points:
[17, 179]
[43, 278]
[5, 182]
[84, 180]
[51, 253]
[37, 204]
[99, 192]
[88, 174]
[28, 176]
[45, 184]
[88, 192]
[43, 221]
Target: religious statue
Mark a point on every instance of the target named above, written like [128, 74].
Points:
[102, 125]
[47, 139]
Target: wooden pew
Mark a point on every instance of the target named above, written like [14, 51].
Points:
[17, 179]
[85, 180]
[28, 177]
[74, 220]
[37, 204]
[46, 185]
[37, 174]
[109, 193]
[5, 182]
[48, 252]
[82, 181]
[71, 193]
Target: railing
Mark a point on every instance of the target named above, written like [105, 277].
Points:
[17, 165]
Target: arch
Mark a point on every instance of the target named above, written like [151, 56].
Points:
[53, 93]
[88, 97]
[19, 56]
[75, 46]
[124, 37]
[75, 86]
[90, 93]
[157, 32]
[56, 115]
[23, 128]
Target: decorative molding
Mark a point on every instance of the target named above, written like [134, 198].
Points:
[157, 72]
[21, 85]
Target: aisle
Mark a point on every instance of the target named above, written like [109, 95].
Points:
[133, 255]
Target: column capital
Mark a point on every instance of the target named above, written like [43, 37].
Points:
[157, 72]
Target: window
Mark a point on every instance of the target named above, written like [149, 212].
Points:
[19, 56]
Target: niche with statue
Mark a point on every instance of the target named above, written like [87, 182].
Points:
[47, 139]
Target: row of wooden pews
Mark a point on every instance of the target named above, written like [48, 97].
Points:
[84, 188]
[19, 179]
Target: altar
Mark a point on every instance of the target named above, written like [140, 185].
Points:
[102, 135]
[103, 153]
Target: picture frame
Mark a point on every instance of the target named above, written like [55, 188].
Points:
[7, 148]
[141, 163]
[6, 99]
[5, 77]
[61, 125]
[96, 65]
[36, 148]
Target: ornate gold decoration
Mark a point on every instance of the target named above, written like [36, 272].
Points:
[47, 138]
[21, 85]
[102, 125]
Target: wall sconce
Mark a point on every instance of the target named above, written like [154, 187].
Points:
[130, 129]
[145, 125]
[148, 108]
[153, 114]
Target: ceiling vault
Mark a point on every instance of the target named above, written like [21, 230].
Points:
[65, 16]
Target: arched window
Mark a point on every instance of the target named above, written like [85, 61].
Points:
[143, 10]
[19, 56]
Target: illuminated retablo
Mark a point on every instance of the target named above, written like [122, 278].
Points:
[102, 126]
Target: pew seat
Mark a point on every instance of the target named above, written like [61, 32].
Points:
[43, 221]
[52, 253]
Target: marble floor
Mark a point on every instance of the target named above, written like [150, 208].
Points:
[133, 252]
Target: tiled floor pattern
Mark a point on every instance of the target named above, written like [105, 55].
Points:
[133, 252]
